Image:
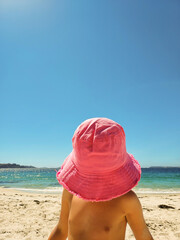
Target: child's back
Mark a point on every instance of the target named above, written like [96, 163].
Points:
[97, 220]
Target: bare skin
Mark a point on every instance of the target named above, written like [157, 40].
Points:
[85, 220]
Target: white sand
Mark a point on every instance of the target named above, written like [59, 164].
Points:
[27, 216]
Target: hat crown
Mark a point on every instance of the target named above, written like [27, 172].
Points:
[99, 146]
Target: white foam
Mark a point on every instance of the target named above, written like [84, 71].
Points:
[55, 190]
[157, 191]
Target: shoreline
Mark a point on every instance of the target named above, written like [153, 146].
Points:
[29, 216]
[58, 190]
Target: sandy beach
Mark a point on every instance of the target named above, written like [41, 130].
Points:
[30, 216]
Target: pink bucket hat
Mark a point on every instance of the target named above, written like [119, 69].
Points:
[99, 168]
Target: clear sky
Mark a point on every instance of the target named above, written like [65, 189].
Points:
[64, 61]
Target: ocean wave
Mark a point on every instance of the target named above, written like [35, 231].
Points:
[55, 190]
[157, 191]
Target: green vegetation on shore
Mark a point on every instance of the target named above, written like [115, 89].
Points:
[13, 165]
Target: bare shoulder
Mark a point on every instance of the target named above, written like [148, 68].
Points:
[134, 215]
[66, 195]
[128, 201]
[131, 204]
[131, 197]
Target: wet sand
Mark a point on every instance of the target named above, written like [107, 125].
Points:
[29, 216]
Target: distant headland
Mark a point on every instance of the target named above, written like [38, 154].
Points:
[13, 165]
[159, 167]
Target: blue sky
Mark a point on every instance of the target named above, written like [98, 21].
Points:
[65, 61]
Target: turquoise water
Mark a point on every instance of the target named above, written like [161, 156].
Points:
[160, 180]
[44, 180]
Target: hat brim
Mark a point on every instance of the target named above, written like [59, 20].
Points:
[99, 187]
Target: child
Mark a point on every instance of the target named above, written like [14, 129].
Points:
[97, 176]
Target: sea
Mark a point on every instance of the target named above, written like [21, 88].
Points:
[43, 180]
